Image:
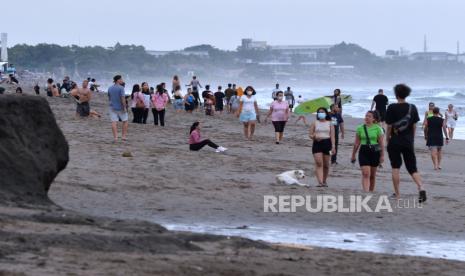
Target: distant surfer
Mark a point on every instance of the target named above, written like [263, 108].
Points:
[275, 91]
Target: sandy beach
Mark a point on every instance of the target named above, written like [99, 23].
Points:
[115, 199]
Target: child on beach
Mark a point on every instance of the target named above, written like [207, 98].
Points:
[196, 143]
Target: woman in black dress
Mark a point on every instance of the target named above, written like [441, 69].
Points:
[435, 127]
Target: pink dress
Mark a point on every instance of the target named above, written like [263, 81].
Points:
[159, 101]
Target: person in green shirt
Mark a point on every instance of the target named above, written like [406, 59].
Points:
[369, 138]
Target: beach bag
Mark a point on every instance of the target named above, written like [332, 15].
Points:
[139, 102]
[403, 123]
[373, 148]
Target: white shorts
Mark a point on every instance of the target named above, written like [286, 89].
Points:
[116, 115]
[451, 123]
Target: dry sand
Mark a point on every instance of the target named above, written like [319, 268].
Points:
[165, 182]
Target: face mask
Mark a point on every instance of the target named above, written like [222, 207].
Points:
[249, 93]
[280, 98]
[321, 115]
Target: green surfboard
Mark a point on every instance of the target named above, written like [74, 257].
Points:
[312, 106]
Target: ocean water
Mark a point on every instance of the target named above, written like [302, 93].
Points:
[362, 99]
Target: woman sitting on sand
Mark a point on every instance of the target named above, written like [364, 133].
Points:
[279, 112]
[434, 128]
[248, 112]
[322, 134]
[196, 143]
[369, 138]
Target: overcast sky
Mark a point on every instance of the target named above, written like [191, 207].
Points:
[165, 25]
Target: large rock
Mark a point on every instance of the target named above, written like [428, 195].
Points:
[33, 150]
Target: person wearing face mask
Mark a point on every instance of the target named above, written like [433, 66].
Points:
[279, 112]
[369, 138]
[248, 112]
[322, 133]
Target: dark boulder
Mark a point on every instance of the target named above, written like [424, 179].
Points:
[33, 150]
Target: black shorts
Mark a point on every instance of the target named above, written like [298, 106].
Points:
[322, 146]
[83, 109]
[368, 157]
[397, 152]
[189, 107]
[219, 107]
[382, 115]
[291, 106]
[279, 126]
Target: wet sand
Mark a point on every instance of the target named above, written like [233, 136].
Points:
[166, 183]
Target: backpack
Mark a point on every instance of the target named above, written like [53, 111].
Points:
[139, 102]
[403, 123]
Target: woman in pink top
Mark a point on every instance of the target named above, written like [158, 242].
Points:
[159, 102]
[196, 143]
[137, 104]
[279, 112]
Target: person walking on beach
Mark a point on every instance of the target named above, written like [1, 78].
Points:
[147, 98]
[380, 103]
[338, 123]
[159, 102]
[337, 100]
[37, 89]
[118, 108]
[234, 102]
[82, 96]
[275, 91]
[189, 101]
[451, 119]
[175, 83]
[195, 85]
[219, 100]
[322, 133]
[209, 104]
[279, 112]
[401, 120]
[289, 95]
[435, 127]
[178, 99]
[137, 104]
[369, 142]
[196, 142]
[228, 93]
[248, 112]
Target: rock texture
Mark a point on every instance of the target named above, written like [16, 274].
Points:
[33, 150]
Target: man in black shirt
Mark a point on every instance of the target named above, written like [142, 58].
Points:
[219, 96]
[400, 139]
[381, 101]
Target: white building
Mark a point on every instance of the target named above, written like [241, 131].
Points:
[433, 56]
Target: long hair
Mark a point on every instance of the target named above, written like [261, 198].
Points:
[135, 88]
[194, 126]
[142, 88]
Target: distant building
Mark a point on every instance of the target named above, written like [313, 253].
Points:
[391, 54]
[433, 56]
[250, 44]
[307, 51]
[184, 53]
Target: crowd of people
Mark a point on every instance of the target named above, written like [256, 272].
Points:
[386, 128]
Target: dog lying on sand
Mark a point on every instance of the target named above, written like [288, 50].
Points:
[291, 178]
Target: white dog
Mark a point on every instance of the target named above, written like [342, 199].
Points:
[291, 178]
